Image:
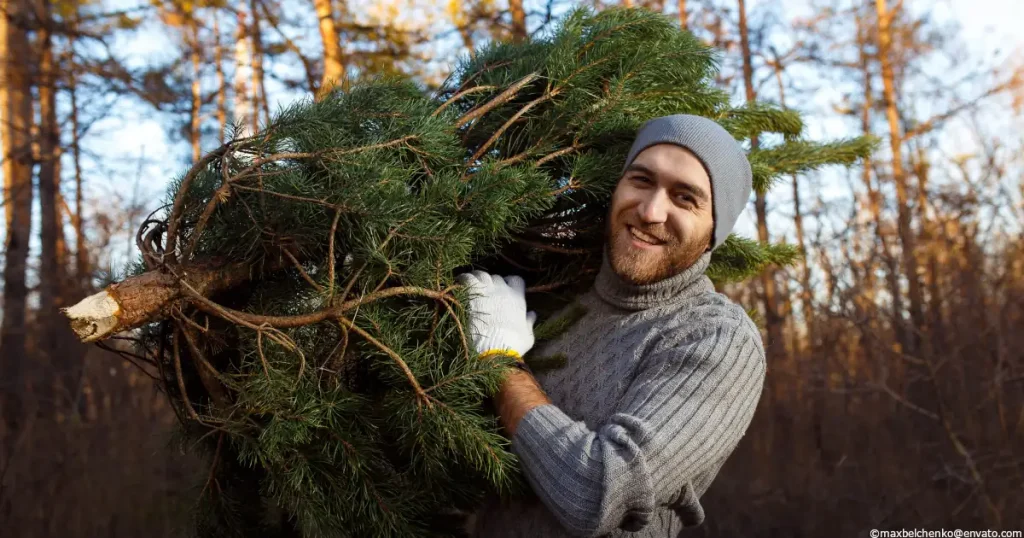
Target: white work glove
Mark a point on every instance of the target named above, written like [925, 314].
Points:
[498, 318]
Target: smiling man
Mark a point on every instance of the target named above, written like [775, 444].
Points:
[663, 373]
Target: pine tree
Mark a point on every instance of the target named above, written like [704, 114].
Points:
[297, 293]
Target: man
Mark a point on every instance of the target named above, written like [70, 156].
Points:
[663, 373]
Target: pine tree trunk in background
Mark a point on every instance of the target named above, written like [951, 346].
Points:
[222, 91]
[83, 274]
[464, 20]
[15, 131]
[656, 6]
[259, 90]
[518, 20]
[898, 173]
[197, 97]
[874, 194]
[682, 15]
[243, 105]
[48, 327]
[776, 345]
[334, 66]
[930, 326]
[809, 373]
[798, 223]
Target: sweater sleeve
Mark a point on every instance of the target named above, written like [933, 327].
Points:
[685, 411]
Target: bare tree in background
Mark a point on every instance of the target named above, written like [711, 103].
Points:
[515, 8]
[884, 35]
[15, 130]
[334, 64]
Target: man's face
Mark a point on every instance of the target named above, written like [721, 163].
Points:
[661, 220]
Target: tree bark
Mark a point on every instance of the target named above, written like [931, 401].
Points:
[197, 97]
[875, 201]
[806, 294]
[683, 18]
[465, 21]
[898, 173]
[334, 65]
[776, 346]
[83, 273]
[15, 130]
[222, 91]
[148, 297]
[259, 89]
[519, 33]
[656, 6]
[50, 330]
[243, 96]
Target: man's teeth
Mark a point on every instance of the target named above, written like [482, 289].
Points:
[644, 237]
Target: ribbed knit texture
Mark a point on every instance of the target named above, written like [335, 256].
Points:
[723, 158]
[661, 383]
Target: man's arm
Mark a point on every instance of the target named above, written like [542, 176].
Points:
[519, 394]
[690, 404]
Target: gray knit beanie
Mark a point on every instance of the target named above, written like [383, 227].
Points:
[724, 160]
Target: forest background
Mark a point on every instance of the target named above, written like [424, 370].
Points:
[895, 389]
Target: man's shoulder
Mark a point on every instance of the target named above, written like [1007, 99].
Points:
[709, 314]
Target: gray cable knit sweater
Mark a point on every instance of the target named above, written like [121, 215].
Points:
[661, 383]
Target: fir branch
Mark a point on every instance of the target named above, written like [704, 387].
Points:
[515, 117]
[417, 389]
[499, 100]
[176, 351]
[556, 154]
[460, 95]
[799, 156]
[208, 375]
[182, 194]
[336, 207]
[330, 255]
[305, 275]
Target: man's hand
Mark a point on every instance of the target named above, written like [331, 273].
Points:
[499, 322]
[497, 313]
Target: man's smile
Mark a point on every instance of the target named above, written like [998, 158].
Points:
[643, 240]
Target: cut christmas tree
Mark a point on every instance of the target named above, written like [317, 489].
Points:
[297, 290]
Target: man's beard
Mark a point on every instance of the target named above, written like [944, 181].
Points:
[643, 266]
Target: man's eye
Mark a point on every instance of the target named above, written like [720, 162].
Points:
[685, 199]
[642, 179]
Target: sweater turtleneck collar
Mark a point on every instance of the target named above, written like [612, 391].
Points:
[626, 295]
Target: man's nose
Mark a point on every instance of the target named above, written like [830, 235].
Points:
[654, 210]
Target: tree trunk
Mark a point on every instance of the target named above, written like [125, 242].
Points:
[83, 274]
[15, 131]
[222, 91]
[779, 439]
[51, 273]
[197, 97]
[259, 89]
[464, 21]
[798, 221]
[518, 20]
[899, 175]
[334, 66]
[776, 345]
[656, 6]
[874, 197]
[930, 325]
[243, 98]
[682, 15]
[147, 297]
